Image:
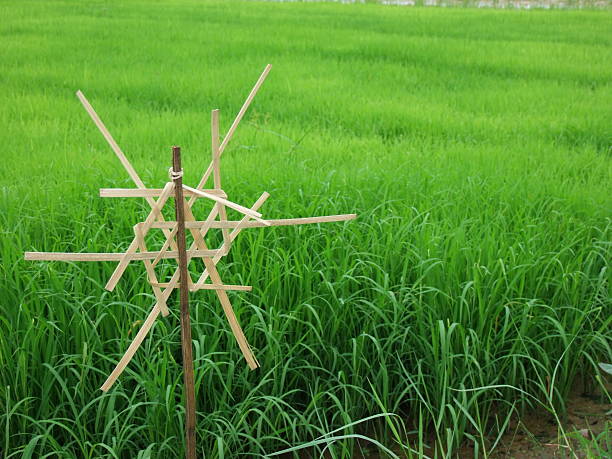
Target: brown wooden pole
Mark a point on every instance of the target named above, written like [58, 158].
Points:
[190, 408]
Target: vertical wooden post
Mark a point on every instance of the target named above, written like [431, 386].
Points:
[190, 408]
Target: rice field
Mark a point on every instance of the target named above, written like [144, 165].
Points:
[471, 291]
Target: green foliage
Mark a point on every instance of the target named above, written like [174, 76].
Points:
[474, 145]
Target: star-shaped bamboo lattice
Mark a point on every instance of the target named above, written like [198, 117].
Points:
[217, 218]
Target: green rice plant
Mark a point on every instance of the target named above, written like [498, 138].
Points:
[472, 289]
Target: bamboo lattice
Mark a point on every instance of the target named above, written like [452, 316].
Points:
[216, 219]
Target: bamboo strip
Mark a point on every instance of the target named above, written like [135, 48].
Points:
[142, 246]
[195, 287]
[211, 268]
[234, 125]
[133, 347]
[232, 205]
[115, 147]
[147, 192]
[272, 222]
[231, 316]
[67, 256]
[244, 108]
[105, 256]
[111, 141]
[214, 135]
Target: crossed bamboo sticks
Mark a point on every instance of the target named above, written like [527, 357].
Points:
[157, 198]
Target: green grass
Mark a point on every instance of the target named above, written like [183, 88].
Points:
[474, 145]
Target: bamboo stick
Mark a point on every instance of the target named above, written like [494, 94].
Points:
[196, 287]
[272, 222]
[111, 141]
[133, 347]
[232, 205]
[147, 192]
[152, 277]
[234, 125]
[186, 345]
[115, 147]
[105, 256]
[223, 298]
[214, 135]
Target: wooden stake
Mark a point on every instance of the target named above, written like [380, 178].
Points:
[190, 409]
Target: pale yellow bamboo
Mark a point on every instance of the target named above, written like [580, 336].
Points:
[216, 158]
[232, 205]
[115, 147]
[194, 287]
[134, 345]
[142, 246]
[211, 268]
[147, 192]
[155, 211]
[234, 125]
[111, 141]
[104, 256]
[272, 222]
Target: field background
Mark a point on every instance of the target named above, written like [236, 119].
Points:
[474, 145]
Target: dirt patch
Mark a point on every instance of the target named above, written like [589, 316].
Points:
[587, 427]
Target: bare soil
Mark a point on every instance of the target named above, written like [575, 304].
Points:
[537, 435]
